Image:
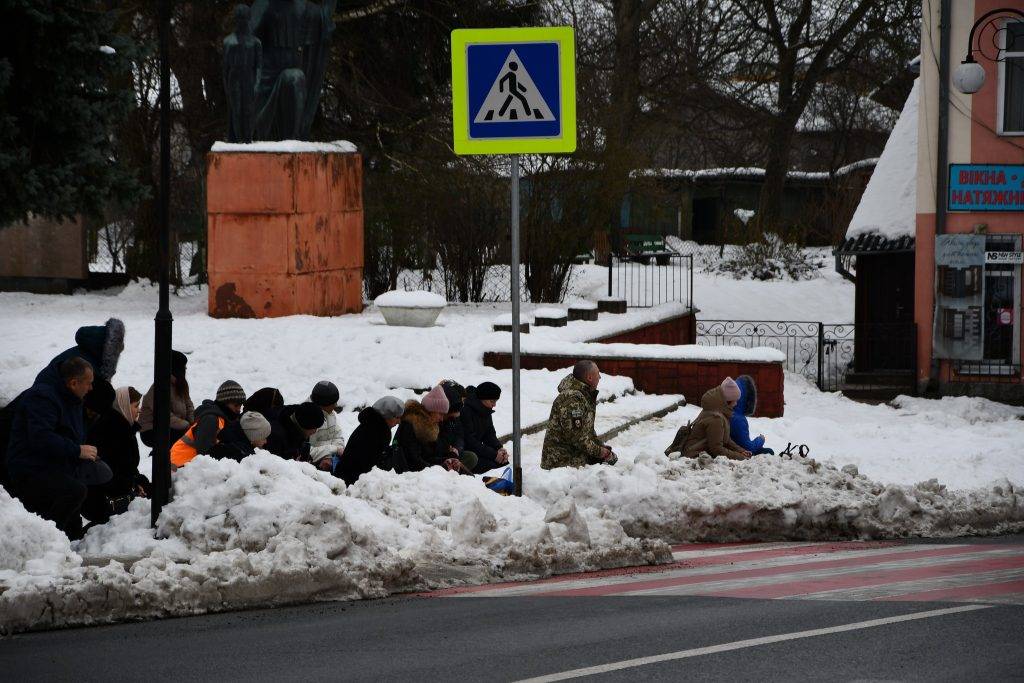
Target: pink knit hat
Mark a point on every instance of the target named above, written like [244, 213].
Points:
[436, 402]
[730, 389]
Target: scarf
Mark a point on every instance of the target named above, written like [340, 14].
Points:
[123, 403]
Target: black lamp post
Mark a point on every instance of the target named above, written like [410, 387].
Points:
[970, 76]
[163, 321]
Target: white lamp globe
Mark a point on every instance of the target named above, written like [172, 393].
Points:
[969, 77]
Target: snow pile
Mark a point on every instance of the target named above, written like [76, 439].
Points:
[286, 147]
[30, 544]
[889, 204]
[955, 411]
[963, 442]
[583, 305]
[768, 497]
[437, 517]
[418, 299]
[267, 531]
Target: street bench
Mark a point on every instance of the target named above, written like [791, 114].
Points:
[643, 248]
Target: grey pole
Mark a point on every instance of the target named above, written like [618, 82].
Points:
[517, 467]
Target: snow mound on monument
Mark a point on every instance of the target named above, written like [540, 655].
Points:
[772, 498]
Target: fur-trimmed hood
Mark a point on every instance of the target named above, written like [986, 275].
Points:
[104, 344]
[747, 404]
[423, 425]
[100, 345]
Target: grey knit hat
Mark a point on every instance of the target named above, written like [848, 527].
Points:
[255, 426]
[389, 407]
[230, 392]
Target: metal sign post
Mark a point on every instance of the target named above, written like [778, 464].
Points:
[517, 468]
[514, 92]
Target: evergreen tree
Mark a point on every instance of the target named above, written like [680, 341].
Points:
[57, 113]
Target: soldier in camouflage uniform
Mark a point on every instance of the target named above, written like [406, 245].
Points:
[570, 440]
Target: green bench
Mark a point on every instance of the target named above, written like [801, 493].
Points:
[644, 247]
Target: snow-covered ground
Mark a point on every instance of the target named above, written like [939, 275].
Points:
[267, 531]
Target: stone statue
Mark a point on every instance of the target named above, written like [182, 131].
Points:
[295, 38]
[243, 58]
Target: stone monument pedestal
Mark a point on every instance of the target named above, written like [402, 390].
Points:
[285, 230]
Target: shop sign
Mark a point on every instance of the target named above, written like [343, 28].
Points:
[1004, 258]
[986, 187]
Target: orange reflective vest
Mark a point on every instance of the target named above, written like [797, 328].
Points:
[184, 449]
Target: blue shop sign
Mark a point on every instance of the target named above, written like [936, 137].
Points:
[986, 187]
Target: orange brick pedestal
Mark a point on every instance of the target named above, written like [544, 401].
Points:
[285, 233]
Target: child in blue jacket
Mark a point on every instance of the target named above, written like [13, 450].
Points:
[738, 427]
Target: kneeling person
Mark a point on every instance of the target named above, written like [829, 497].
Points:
[328, 443]
[570, 440]
[369, 440]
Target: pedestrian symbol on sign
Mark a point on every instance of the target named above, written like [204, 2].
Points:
[513, 96]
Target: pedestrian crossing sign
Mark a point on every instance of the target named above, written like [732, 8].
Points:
[514, 90]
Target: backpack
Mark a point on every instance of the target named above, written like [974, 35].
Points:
[679, 442]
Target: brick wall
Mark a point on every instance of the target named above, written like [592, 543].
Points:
[688, 377]
[681, 329]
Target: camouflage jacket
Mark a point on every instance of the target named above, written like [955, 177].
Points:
[570, 440]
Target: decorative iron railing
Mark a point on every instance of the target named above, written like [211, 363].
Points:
[825, 353]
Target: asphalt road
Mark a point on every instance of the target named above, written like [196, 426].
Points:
[469, 638]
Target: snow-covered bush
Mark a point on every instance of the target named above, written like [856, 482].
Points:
[771, 258]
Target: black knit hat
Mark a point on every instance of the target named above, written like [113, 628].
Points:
[324, 394]
[309, 416]
[178, 363]
[488, 391]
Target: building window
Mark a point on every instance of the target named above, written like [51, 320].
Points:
[1011, 78]
[999, 319]
[960, 283]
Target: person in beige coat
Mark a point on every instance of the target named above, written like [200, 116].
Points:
[183, 412]
[709, 433]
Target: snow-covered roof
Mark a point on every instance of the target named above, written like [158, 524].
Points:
[285, 146]
[889, 204]
[746, 172]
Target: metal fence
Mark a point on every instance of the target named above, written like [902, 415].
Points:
[650, 280]
[825, 353]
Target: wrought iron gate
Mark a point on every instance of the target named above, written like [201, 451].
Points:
[824, 353]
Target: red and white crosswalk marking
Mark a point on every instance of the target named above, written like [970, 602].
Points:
[804, 571]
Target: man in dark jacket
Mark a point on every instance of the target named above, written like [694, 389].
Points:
[478, 427]
[290, 432]
[369, 440]
[46, 447]
[99, 345]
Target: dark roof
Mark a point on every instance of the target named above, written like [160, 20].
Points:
[874, 243]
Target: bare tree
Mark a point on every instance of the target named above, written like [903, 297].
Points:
[796, 45]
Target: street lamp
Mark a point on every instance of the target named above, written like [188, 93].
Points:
[163, 321]
[970, 76]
